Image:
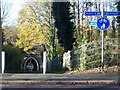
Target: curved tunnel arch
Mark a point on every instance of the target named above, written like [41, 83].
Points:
[34, 60]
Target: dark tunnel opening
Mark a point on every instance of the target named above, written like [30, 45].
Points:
[31, 64]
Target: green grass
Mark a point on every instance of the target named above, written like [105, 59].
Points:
[14, 71]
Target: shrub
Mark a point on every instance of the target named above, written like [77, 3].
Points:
[13, 58]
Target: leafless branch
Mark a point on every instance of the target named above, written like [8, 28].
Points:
[5, 11]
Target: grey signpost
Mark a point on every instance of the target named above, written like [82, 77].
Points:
[102, 62]
[102, 24]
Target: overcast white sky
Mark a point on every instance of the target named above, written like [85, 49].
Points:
[16, 6]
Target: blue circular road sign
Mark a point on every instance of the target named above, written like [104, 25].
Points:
[103, 23]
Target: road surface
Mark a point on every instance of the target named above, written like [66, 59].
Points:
[60, 81]
[61, 87]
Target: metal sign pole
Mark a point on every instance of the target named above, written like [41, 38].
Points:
[102, 55]
[102, 24]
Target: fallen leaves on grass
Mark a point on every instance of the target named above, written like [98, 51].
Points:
[114, 69]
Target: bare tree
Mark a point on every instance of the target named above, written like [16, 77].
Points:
[5, 11]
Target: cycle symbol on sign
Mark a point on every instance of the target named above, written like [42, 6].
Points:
[103, 20]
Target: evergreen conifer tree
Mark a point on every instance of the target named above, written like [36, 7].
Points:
[63, 22]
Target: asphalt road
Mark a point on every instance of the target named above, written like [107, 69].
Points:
[29, 78]
[62, 87]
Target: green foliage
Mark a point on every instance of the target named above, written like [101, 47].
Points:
[9, 34]
[59, 50]
[13, 57]
[84, 40]
[63, 17]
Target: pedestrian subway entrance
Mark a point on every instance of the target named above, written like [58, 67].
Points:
[31, 64]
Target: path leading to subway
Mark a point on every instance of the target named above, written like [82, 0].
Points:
[59, 77]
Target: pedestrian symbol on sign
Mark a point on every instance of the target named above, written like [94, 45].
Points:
[103, 26]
